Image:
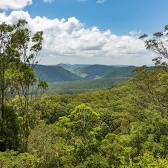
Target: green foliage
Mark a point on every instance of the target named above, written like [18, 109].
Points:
[152, 87]
[9, 130]
[147, 160]
[95, 161]
[125, 126]
[83, 119]
[118, 127]
[85, 85]
[11, 159]
[19, 50]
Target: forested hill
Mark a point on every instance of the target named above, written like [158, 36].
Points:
[67, 72]
[67, 78]
[54, 73]
[105, 71]
[72, 67]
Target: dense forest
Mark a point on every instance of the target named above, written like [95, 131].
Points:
[123, 126]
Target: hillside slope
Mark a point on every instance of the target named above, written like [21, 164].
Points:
[85, 85]
[54, 73]
[72, 67]
[104, 71]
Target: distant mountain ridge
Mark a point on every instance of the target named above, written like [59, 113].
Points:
[104, 71]
[77, 72]
[54, 73]
[72, 67]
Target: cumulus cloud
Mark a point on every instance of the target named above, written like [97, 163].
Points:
[71, 41]
[14, 4]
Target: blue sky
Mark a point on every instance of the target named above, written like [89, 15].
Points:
[90, 31]
[121, 16]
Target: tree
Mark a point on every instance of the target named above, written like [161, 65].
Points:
[19, 49]
[28, 47]
[83, 119]
[9, 130]
[159, 45]
[152, 87]
[7, 54]
[42, 85]
[95, 161]
[13, 159]
[152, 82]
[8, 117]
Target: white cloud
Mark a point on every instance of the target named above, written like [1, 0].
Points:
[48, 1]
[97, 1]
[14, 4]
[70, 41]
[101, 1]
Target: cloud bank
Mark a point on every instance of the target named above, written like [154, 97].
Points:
[14, 4]
[70, 41]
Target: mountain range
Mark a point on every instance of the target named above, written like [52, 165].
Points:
[54, 73]
[81, 77]
[68, 72]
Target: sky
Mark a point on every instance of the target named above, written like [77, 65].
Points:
[90, 31]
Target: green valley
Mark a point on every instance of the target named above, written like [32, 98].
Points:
[64, 78]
